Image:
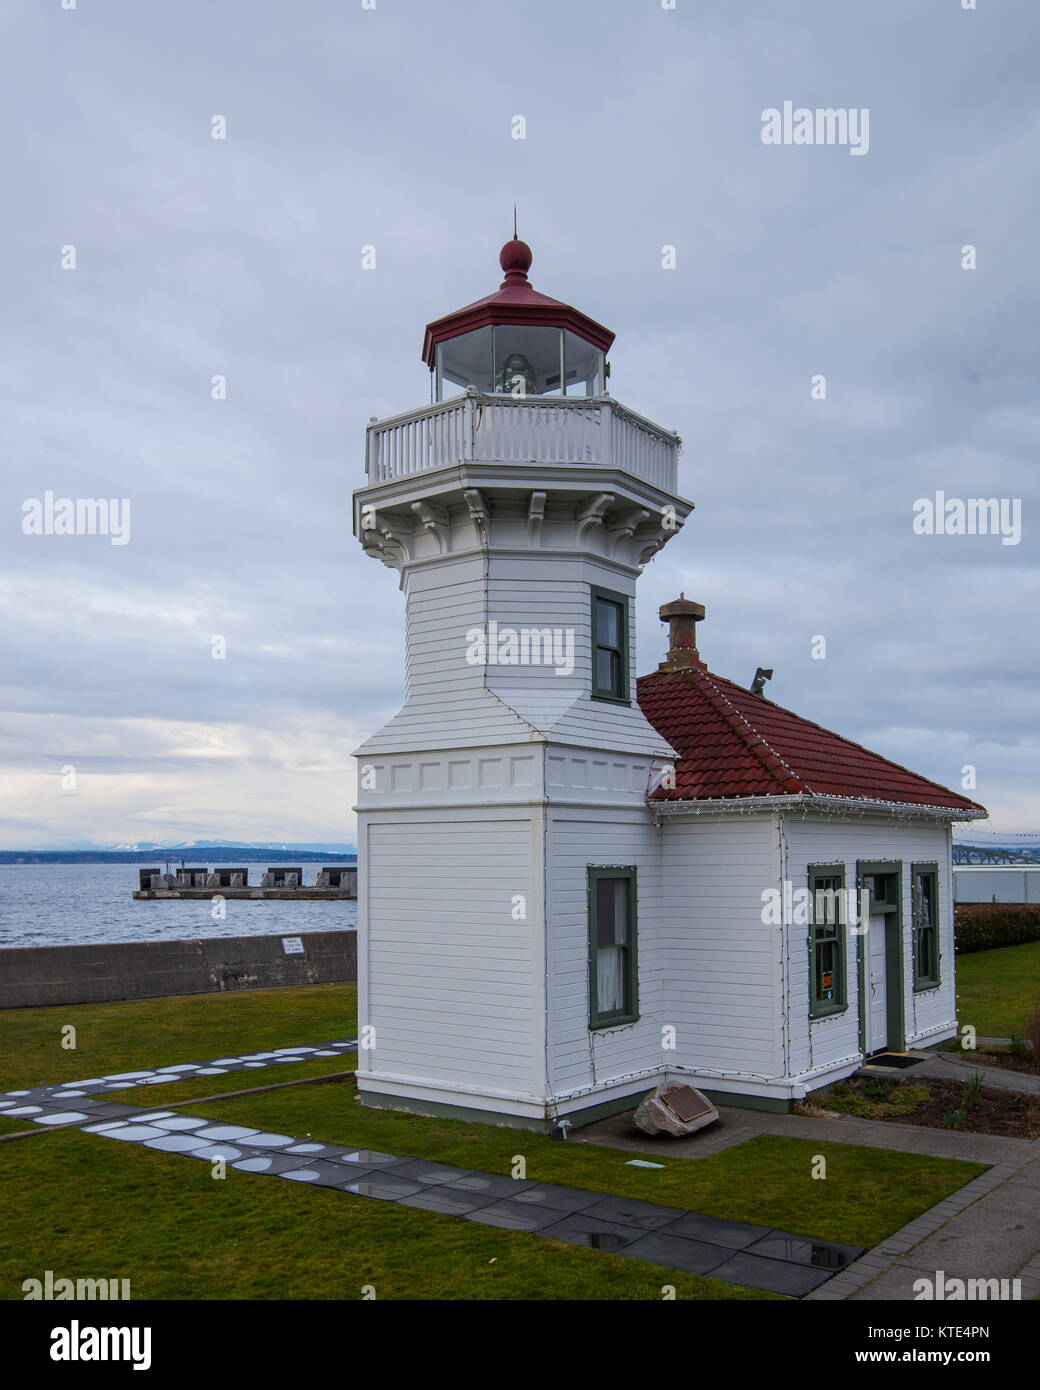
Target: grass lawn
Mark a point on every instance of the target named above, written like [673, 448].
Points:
[997, 989]
[131, 1035]
[163, 1222]
[175, 1232]
[767, 1181]
[80, 1205]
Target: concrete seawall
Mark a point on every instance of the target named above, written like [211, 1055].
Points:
[37, 976]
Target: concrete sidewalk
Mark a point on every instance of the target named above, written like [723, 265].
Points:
[988, 1230]
[958, 1066]
[737, 1126]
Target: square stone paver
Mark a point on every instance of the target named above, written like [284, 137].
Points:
[322, 1173]
[173, 1143]
[584, 1228]
[270, 1141]
[777, 1276]
[369, 1158]
[209, 1153]
[417, 1170]
[781, 1245]
[273, 1163]
[678, 1252]
[734, 1235]
[449, 1200]
[491, 1185]
[558, 1199]
[233, 1132]
[384, 1187]
[310, 1148]
[515, 1216]
[631, 1212]
[132, 1133]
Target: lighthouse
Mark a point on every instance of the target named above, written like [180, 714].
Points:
[509, 871]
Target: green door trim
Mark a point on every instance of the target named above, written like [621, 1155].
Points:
[895, 1014]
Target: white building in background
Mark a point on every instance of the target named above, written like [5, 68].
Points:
[996, 883]
[570, 884]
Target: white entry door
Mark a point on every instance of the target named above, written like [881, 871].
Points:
[877, 1001]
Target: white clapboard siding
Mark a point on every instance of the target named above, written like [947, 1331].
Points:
[723, 989]
[578, 840]
[452, 981]
[446, 703]
[537, 592]
[451, 702]
[809, 841]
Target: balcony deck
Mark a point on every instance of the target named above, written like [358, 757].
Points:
[535, 429]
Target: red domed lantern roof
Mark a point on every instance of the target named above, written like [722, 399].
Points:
[514, 302]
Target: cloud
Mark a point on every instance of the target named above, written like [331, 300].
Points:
[390, 127]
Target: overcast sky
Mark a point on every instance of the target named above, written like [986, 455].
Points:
[393, 127]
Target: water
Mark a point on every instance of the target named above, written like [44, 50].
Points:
[85, 904]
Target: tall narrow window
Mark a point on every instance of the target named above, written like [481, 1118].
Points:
[613, 994]
[609, 646]
[827, 989]
[925, 881]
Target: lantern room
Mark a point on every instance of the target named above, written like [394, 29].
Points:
[517, 342]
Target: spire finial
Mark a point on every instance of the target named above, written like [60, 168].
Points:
[515, 258]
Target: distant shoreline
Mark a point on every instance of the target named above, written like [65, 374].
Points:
[200, 856]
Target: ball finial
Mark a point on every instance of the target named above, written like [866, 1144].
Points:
[515, 257]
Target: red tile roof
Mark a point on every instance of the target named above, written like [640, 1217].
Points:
[733, 743]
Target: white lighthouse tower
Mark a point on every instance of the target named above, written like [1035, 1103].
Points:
[511, 963]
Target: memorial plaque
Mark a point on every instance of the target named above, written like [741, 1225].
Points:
[685, 1102]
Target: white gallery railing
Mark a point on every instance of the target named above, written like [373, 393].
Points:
[500, 429]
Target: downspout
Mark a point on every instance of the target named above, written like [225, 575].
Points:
[784, 866]
[551, 1102]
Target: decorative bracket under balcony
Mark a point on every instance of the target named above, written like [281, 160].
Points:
[593, 514]
[435, 520]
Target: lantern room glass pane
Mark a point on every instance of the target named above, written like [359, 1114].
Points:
[527, 360]
[464, 361]
[584, 366]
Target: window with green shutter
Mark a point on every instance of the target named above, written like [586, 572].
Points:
[827, 926]
[613, 986]
[609, 646]
[925, 879]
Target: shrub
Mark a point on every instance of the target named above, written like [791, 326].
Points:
[985, 926]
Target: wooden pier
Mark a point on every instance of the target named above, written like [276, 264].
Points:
[197, 884]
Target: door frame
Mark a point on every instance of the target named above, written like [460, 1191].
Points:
[894, 1002]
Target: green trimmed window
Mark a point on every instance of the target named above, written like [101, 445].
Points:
[926, 925]
[827, 926]
[609, 646]
[613, 991]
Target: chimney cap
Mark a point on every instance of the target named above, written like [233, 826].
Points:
[682, 616]
[681, 608]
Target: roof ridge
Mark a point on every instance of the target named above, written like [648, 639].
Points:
[860, 747]
[753, 739]
[701, 713]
